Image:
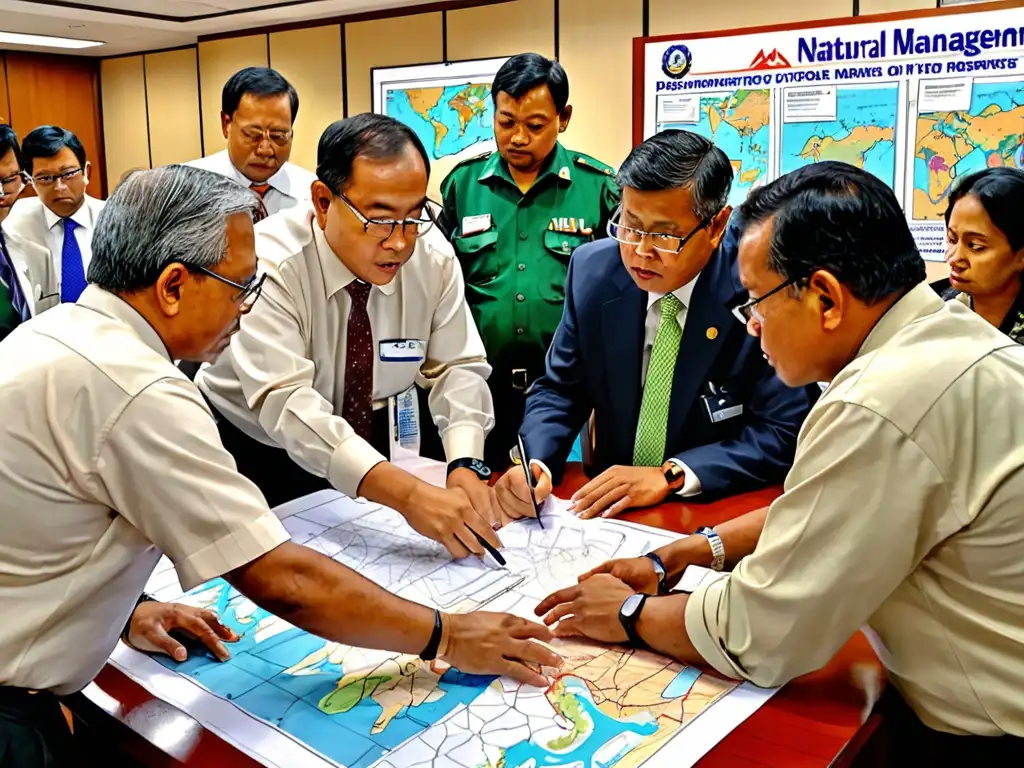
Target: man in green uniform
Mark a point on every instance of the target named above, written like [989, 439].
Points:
[514, 218]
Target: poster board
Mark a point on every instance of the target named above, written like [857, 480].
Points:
[448, 105]
[918, 98]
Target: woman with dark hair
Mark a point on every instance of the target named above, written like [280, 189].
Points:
[985, 247]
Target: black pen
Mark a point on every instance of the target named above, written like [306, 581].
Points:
[530, 482]
[493, 552]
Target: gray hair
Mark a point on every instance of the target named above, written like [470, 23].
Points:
[155, 218]
[680, 159]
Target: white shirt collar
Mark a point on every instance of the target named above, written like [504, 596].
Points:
[81, 217]
[683, 294]
[281, 181]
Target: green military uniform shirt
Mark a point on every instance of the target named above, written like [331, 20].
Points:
[9, 319]
[514, 247]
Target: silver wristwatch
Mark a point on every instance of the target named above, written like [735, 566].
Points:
[717, 547]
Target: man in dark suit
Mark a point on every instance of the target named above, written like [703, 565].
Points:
[683, 399]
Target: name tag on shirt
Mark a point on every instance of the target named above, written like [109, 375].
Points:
[402, 350]
[404, 424]
[473, 224]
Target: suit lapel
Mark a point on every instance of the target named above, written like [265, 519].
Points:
[622, 324]
[717, 289]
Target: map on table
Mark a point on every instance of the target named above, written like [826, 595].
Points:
[954, 143]
[739, 123]
[449, 106]
[286, 694]
[863, 133]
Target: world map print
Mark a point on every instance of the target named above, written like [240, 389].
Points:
[608, 706]
[953, 144]
[739, 123]
[448, 119]
[863, 134]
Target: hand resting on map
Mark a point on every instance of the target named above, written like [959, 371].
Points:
[152, 622]
[483, 643]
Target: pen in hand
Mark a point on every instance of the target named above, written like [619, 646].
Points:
[490, 549]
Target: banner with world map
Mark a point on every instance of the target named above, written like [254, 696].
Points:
[919, 99]
[449, 106]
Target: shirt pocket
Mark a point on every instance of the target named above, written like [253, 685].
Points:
[478, 256]
[561, 245]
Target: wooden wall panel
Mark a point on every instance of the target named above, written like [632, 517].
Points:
[172, 79]
[388, 43]
[502, 30]
[316, 78]
[219, 60]
[596, 49]
[889, 6]
[670, 17]
[124, 116]
[59, 90]
[5, 100]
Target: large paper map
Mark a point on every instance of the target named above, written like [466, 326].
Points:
[348, 706]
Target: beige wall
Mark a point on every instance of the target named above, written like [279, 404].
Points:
[669, 17]
[219, 60]
[596, 49]
[172, 80]
[868, 7]
[124, 116]
[502, 30]
[319, 86]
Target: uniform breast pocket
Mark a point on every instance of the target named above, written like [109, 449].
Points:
[478, 256]
[560, 245]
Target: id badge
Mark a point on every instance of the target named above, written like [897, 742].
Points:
[471, 225]
[402, 350]
[404, 424]
[720, 406]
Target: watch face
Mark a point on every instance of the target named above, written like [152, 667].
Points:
[632, 604]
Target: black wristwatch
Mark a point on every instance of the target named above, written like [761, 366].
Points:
[659, 570]
[629, 615]
[429, 653]
[476, 466]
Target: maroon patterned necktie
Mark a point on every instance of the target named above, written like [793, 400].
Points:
[358, 406]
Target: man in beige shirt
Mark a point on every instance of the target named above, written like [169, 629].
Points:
[364, 309]
[904, 509]
[109, 456]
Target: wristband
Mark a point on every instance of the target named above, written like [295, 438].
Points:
[659, 569]
[430, 652]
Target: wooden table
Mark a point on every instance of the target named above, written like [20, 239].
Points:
[819, 720]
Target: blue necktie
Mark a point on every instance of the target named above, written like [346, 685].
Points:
[72, 271]
[10, 278]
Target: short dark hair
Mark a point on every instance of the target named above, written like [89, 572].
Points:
[836, 217]
[259, 81]
[1001, 193]
[47, 141]
[526, 71]
[676, 159]
[8, 142]
[378, 137]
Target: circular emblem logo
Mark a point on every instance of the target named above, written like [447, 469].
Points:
[676, 61]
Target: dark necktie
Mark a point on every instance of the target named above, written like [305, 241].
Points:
[72, 271]
[358, 406]
[10, 278]
[259, 189]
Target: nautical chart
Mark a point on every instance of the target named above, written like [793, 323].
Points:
[287, 695]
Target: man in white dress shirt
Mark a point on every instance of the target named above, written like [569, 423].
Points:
[258, 110]
[63, 217]
[364, 309]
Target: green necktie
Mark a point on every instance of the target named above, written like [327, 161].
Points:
[649, 450]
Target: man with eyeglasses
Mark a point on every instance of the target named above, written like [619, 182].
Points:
[258, 111]
[26, 273]
[62, 218]
[109, 457]
[683, 400]
[364, 309]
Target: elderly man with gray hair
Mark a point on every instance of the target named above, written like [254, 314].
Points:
[109, 456]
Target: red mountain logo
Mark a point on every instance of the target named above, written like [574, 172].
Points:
[773, 60]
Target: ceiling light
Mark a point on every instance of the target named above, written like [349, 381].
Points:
[45, 41]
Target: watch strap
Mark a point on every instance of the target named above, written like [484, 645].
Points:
[629, 623]
[659, 568]
[429, 653]
[717, 547]
[475, 466]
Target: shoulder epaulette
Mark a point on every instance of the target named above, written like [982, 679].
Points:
[468, 160]
[595, 165]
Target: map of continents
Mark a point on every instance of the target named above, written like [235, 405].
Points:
[738, 123]
[862, 134]
[449, 119]
[956, 143]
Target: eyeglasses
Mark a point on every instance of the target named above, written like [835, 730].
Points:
[385, 228]
[48, 180]
[660, 241]
[248, 292]
[746, 312]
[12, 185]
[256, 135]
